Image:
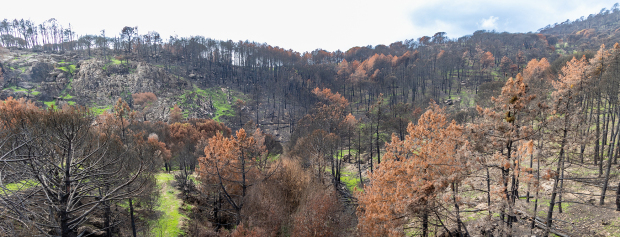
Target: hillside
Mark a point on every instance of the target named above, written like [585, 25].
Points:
[490, 134]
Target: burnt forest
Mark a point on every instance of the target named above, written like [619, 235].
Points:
[131, 133]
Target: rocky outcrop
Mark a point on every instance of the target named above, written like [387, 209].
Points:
[64, 78]
[93, 81]
[41, 71]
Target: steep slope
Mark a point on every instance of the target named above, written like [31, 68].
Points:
[57, 79]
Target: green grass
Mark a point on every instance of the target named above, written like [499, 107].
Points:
[24, 184]
[113, 61]
[468, 99]
[350, 181]
[218, 97]
[273, 157]
[31, 92]
[15, 88]
[69, 68]
[67, 97]
[50, 103]
[169, 222]
[97, 110]
[612, 227]
[345, 152]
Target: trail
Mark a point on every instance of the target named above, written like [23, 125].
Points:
[171, 220]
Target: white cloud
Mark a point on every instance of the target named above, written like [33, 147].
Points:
[489, 23]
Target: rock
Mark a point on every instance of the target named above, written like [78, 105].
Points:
[547, 186]
[61, 75]
[25, 85]
[40, 71]
[346, 158]
[365, 158]
[19, 94]
[25, 77]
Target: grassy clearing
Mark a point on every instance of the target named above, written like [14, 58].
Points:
[49, 103]
[97, 110]
[169, 224]
[15, 88]
[113, 61]
[467, 98]
[351, 180]
[67, 97]
[217, 96]
[352, 152]
[544, 203]
[24, 184]
[31, 92]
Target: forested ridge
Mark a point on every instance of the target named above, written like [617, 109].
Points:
[131, 134]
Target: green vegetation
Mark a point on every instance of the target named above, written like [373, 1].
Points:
[67, 97]
[612, 227]
[113, 61]
[350, 180]
[468, 99]
[49, 103]
[24, 184]
[345, 152]
[217, 96]
[97, 110]
[69, 68]
[31, 92]
[170, 222]
[272, 157]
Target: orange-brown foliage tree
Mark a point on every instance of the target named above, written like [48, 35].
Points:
[498, 137]
[176, 115]
[144, 101]
[231, 165]
[415, 171]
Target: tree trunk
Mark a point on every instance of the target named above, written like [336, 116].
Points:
[459, 223]
[598, 134]
[425, 223]
[64, 224]
[359, 156]
[488, 191]
[618, 197]
[377, 130]
[549, 219]
[106, 220]
[133, 222]
[609, 161]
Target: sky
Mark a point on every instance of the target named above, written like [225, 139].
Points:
[305, 25]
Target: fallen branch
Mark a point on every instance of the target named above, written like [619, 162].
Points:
[540, 223]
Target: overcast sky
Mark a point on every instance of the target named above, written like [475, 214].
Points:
[306, 25]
